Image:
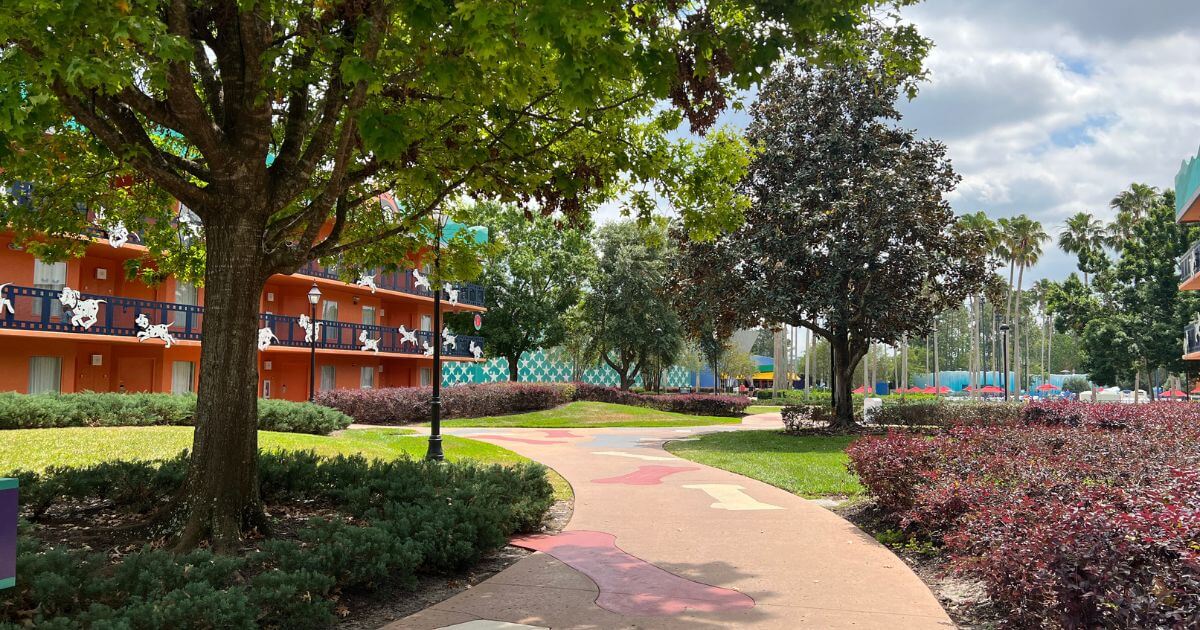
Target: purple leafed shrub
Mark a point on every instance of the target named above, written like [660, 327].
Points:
[405, 405]
[1075, 515]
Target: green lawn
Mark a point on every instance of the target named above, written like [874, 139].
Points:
[763, 409]
[810, 466]
[592, 414]
[35, 449]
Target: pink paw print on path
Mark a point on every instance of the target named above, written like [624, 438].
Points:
[629, 585]
[646, 475]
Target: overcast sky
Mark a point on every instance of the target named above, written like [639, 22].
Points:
[1050, 107]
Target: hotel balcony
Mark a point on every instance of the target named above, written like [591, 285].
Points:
[39, 310]
[399, 282]
[1189, 269]
[1191, 341]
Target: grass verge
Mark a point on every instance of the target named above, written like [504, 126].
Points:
[37, 449]
[810, 466]
[585, 414]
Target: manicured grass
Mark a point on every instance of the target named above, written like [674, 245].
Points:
[752, 409]
[36, 449]
[592, 414]
[810, 466]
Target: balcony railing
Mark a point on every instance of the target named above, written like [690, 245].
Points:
[1191, 338]
[401, 281]
[30, 308]
[1189, 263]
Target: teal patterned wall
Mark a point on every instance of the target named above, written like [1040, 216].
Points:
[540, 366]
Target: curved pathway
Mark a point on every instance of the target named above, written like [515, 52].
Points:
[656, 541]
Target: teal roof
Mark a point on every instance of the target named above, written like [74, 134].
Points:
[1187, 182]
[477, 232]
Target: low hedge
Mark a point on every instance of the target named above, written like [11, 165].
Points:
[948, 413]
[404, 405]
[90, 409]
[394, 520]
[1074, 515]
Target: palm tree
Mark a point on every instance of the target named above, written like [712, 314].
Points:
[981, 223]
[1026, 240]
[1132, 206]
[1083, 235]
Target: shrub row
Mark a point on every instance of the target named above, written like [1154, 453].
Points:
[396, 519]
[948, 413]
[90, 409]
[403, 405]
[1076, 515]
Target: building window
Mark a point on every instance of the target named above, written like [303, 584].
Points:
[45, 375]
[266, 388]
[183, 374]
[328, 378]
[426, 377]
[186, 293]
[427, 322]
[368, 315]
[366, 378]
[329, 313]
[52, 276]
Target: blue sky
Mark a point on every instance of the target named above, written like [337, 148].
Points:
[1050, 107]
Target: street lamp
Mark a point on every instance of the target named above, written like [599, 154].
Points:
[314, 296]
[1004, 331]
[435, 452]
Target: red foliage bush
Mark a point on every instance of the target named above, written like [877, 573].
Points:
[692, 404]
[404, 405]
[1077, 515]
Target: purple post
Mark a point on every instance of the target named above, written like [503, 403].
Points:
[8, 533]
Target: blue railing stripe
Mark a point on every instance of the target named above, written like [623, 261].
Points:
[401, 281]
[35, 311]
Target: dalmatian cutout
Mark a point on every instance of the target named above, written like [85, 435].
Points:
[367, 280]
[5, 303]
[452, 294]
[311, 329]
[428, 348]
[154, 331]
[190, 222]
[83, 312]
[420, 280]
[476, 351]
[448, 339]
[368, 344]
[407, 336]
[118, 234]
[265, 337]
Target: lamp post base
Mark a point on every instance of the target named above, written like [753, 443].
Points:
[435, 449]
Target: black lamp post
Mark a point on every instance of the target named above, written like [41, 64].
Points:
[435, 408]
[314, 296]
[1004, 330]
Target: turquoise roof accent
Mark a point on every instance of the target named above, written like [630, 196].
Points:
[1187, 182]
[7, 483]
[478, 232]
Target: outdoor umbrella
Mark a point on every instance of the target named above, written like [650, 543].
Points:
[929, 390]
[1196, 389]
[992, 389]
[1047, 387]
[1175, 393]
[859, 390]
[944, 390]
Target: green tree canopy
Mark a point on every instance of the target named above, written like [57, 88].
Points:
[535, 274]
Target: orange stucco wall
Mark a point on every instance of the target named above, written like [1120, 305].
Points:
[125, 365]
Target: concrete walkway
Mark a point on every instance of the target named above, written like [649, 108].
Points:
[660, 542]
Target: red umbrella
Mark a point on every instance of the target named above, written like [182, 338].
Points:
[859, 390]
[944, 390]
[1047, 387]
[1175, 393]
[992, 389]
[929, 390]
[1196, 389]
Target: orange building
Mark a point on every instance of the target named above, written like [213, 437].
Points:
[51, 345]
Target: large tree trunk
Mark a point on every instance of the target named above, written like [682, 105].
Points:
[514, 367]
[1017, 311]
[843, 375]
[220, 493]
